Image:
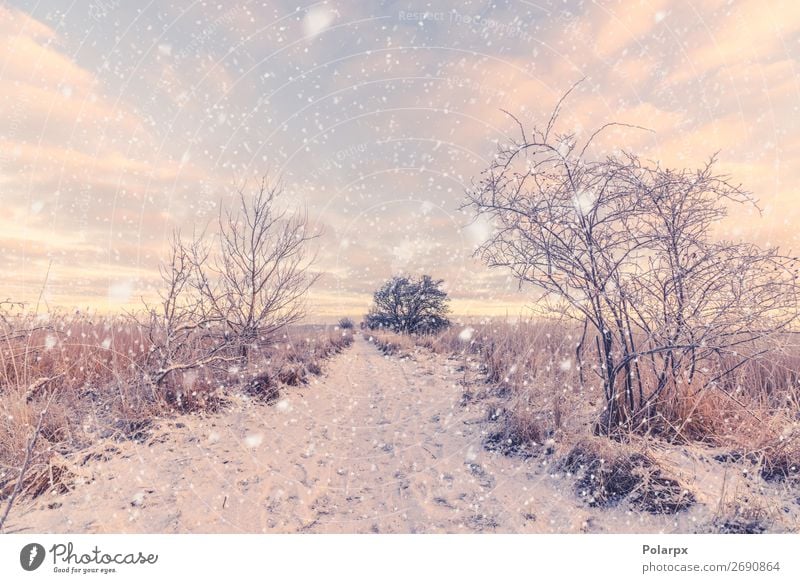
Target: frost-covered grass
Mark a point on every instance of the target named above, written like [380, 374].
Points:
[87, 377]
[755, 408]
[530, 375]
[531, 364]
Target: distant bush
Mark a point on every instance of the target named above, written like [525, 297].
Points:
[409, 305]
[346, 324]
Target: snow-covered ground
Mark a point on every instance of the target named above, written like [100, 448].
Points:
[378, 444]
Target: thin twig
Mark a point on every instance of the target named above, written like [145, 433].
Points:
[25, 465]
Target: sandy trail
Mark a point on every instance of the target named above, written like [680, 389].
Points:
[377, 444]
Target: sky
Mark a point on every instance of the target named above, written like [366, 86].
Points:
[122, 121]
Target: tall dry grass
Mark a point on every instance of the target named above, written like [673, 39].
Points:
[546, 401]
[550, 392]
[86, 376]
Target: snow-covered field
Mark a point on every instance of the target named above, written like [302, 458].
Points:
[380, 443]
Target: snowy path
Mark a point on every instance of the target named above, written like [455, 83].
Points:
[375, 445]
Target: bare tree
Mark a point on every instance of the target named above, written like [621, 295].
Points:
[409, 305]
[626, 247]
[717, 302]
[220, 295]
[182, 335]
[256, 282]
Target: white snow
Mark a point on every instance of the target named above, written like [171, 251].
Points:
[317, 20]
[120, 292]
[253, 441]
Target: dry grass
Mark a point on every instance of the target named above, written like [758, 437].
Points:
[756, 409]
[87, 374]
[391, 344]
[532, 365]
[546, 405]
[610, 471]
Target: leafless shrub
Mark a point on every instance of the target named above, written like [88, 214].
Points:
[182, 336]
[625, 248]
[255, 283]
[223, 298]
[109, 377]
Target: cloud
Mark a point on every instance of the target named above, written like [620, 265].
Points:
[625, 23]
[740, 33]
[81, 173]
[376, 124]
